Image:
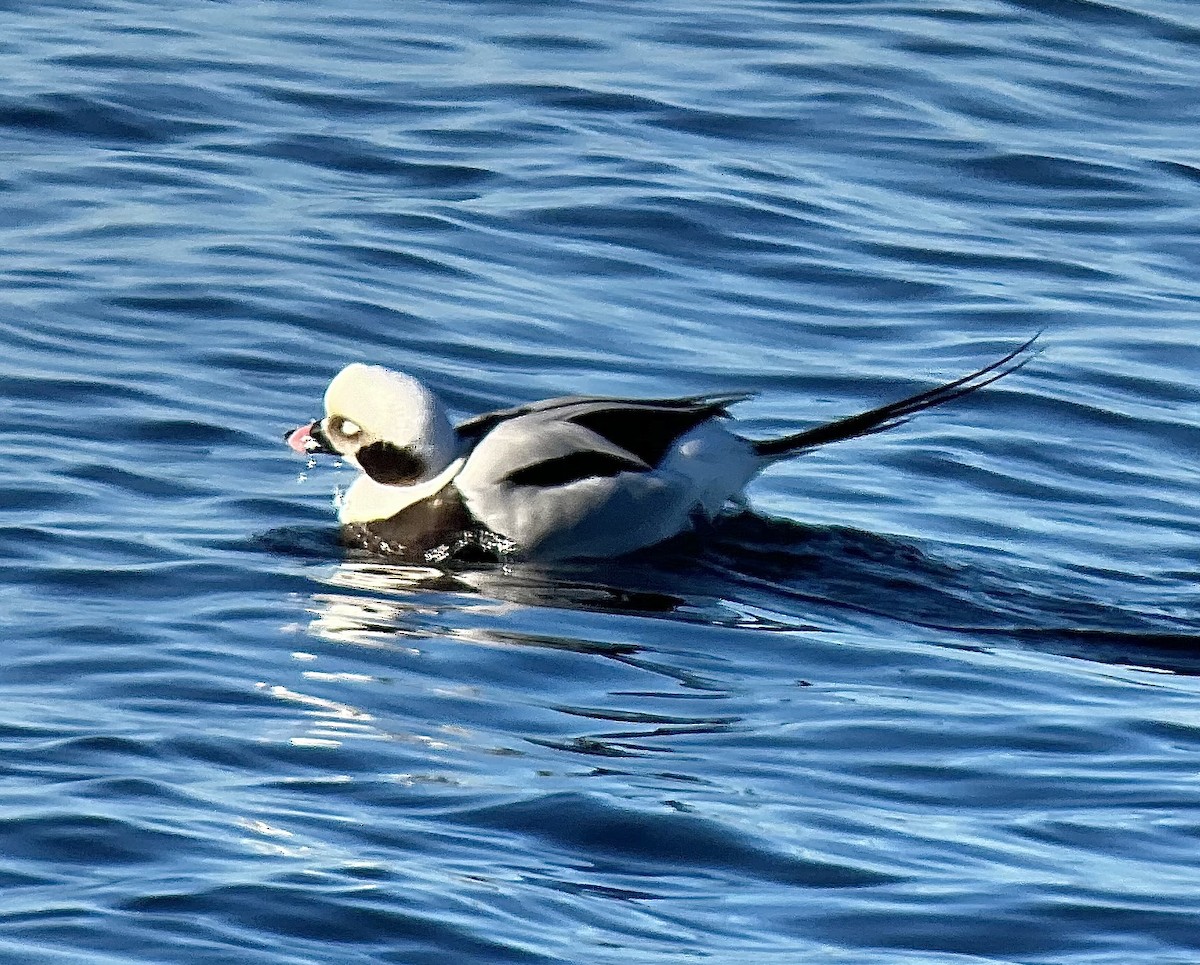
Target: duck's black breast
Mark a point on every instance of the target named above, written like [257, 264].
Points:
[439, 528]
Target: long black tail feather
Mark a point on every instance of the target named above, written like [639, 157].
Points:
[897, 413]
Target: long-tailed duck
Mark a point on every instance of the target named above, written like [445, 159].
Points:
[570, 477]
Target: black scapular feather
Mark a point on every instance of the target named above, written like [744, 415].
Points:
[574, 467]
[648, 432]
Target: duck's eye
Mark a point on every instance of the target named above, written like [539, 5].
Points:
[348, 428]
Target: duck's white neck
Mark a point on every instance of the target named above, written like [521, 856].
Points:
[367, 501]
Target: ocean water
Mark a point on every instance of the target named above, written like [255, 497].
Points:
[932, 699]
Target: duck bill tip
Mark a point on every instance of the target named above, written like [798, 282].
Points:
[301, 439]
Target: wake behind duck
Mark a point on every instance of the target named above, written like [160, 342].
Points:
[576, 477]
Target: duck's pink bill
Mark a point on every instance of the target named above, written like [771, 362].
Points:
[301, 440]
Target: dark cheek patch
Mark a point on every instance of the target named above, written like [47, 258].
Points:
[391, 465]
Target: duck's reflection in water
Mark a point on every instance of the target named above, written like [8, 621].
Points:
[650, 685]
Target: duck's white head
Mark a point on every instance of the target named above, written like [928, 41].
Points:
[386, 423]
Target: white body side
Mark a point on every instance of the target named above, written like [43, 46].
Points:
[608, 515]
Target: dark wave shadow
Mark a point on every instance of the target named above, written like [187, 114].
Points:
[968, 602]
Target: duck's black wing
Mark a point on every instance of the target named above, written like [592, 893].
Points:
[644, 428]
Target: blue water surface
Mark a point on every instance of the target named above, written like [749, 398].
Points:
[934, 700]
